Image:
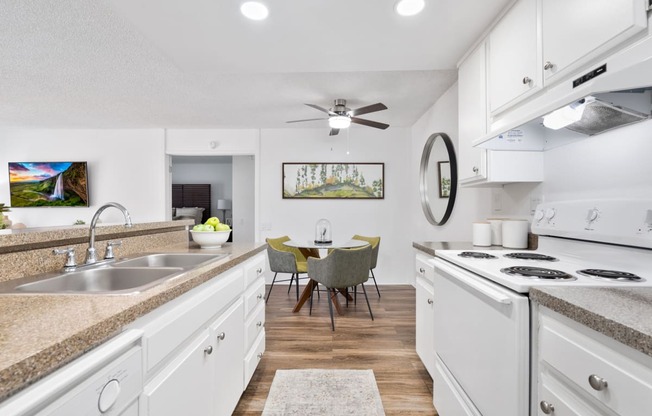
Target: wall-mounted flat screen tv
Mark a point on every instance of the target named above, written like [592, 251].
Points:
[48, 184]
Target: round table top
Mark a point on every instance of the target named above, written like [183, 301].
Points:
[334, 244]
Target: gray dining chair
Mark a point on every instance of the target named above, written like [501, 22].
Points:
[283, 259]
[341, 269]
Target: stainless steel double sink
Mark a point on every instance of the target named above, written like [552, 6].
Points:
[120, 277]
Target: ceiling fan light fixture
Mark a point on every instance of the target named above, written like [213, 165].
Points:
[409, 7]
[339, 122]
[254, 10]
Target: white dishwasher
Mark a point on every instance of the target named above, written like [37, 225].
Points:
[106, 381]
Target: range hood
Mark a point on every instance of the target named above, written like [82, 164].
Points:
[613, 93]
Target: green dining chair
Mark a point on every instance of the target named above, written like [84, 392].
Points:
[284, 259]
[375, 245]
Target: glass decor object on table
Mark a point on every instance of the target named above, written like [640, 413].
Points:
[323, 232]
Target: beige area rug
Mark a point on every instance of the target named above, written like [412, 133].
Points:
[324, 393]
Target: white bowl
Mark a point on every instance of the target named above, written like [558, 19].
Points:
[210, 239]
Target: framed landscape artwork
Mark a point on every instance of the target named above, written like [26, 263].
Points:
[333, 180]
[48, 184]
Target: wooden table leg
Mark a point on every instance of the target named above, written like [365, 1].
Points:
[305, 295]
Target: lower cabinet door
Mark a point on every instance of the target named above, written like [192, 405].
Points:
[184, 386]
[228, 337]
[425, 324]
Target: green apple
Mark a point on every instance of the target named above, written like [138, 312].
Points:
[212, 221]
[222, 227]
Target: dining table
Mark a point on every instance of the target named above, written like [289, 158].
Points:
[311, 249]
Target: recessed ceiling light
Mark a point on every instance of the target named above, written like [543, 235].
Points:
[254, 10]
[409, 7]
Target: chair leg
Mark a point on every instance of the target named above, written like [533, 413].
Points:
[297, 285]
[368, 305]
[330, 307]
[291, 280]
[374, 277]
[312, 292]
[271, 287]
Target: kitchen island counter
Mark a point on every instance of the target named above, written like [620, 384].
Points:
[619, 313]
[40, 333]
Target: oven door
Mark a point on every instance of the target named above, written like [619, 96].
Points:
[482, 339]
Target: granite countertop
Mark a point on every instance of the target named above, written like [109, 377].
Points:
[41, 332]
[619, 313]
[430, 247]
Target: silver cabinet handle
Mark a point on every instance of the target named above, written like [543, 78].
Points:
[208, 350]
[597, 383]
[546, 407]
[221, 336]
[259, 324]
[260, 296]
[259, 270]
[430, 302]
[260, 355]
[475, 169]
[548, 65]
[422, 270]
[527, 80]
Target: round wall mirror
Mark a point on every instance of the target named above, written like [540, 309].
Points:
[438, 178]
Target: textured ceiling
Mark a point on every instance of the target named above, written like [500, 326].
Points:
[200, 64]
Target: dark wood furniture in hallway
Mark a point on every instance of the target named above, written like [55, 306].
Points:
[386, 345]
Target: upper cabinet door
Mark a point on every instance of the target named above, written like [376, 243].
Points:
[575, 31]
[514, 57]
[472, 118]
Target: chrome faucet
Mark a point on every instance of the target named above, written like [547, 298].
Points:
[91, 254]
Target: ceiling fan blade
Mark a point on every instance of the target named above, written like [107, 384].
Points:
[334, 132]
[316, 107]
[307, 119]
[369, 109]
[369, 123]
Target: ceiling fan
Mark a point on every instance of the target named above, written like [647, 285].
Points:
[341, 117]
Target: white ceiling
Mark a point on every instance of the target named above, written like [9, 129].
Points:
[200, 63]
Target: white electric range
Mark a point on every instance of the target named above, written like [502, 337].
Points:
[482, 311]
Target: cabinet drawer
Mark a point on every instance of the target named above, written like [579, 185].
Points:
[559, 400]
[254, 296]
[255, 268]
[425, 268]
[253, 358]
[254, 326]
[568, 348]
[171, 329]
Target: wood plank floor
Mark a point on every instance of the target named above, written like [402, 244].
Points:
[385, 345]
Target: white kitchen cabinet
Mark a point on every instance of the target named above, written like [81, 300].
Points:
[574, 31]
[185, 385]
[514, 57]
[477, 166]
[583, 372]
[228, 337]
[254, 315]
[472, 109]
[425, 312]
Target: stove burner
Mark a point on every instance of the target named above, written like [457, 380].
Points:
[530, 256]
[476, 255]
[611, 275]
[537, 273]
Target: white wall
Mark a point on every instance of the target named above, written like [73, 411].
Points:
[471, 204]
[387, 218]
[611, 165]
[218, 175]
[244, 196]
[124, 166]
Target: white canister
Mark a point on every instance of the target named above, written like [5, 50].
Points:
[481, 234]
[496, 231]
[515, 233]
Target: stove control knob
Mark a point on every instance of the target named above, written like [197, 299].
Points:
[108, 395]
[592, 215]
[550, 213]
[538, 215]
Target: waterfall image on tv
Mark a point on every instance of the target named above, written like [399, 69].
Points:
[48, 184]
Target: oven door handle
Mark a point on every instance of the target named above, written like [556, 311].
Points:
[462, 276]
